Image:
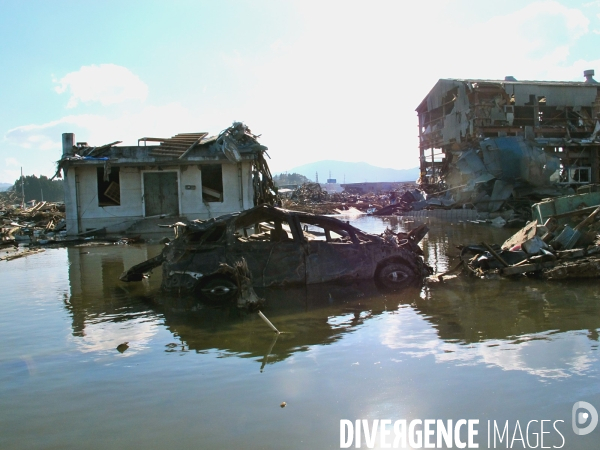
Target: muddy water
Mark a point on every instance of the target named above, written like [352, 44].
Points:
[512, 352]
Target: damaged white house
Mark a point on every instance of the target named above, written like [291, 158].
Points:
[525, 134]
[188, 176]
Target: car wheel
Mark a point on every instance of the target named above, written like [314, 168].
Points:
[394, 274]
[219, 289]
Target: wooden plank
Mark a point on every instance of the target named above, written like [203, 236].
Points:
[524, 234]
[190, 137]
[152, 139]
[524, 268]
[212, 193]
[113, 191]
[21, 254]
[192, 146]
[584, 223]
[496, 255]
[570, 254]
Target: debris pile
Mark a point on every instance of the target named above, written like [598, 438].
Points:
[38, 223]
[504, 174]
[310, 193]
[311, 197]
[24, 230]
[556, 245]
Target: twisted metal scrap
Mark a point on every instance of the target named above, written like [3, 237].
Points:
[243, 278]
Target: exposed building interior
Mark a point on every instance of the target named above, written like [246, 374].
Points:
[557, 118]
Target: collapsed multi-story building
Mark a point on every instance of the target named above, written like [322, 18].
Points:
[511, 136]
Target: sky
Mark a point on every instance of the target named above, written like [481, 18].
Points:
[317, 80]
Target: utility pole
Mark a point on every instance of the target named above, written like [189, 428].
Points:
[22, 190]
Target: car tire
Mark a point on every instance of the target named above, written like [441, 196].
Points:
[219, 289]
[395, 274]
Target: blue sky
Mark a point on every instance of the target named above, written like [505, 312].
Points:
[316, 79]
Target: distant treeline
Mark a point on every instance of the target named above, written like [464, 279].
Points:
[290, 178]
[38, 189]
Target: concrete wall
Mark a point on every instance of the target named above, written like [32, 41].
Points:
[83, 212]
[234, 198]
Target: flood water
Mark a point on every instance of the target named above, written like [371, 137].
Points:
[509, 352]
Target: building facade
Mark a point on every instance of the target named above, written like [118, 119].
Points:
[185, 177]
[559, 119]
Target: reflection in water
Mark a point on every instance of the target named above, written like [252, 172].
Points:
[307, 316]
[501, 322]
[196, 376]
[100, 305]
[541, 328]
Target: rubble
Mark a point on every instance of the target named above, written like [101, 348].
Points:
[555, 245]
[407, 198]
[311, 197]
[25, 231]
[40, 223]
[500, 145]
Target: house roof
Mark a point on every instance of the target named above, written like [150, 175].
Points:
[178, 145]
[232, 143]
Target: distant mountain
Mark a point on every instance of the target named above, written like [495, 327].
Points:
[353, 172]
[4, 186]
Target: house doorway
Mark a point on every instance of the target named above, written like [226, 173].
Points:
[161, 193]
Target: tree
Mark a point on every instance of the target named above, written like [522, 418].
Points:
[290, 178]
[40, 189]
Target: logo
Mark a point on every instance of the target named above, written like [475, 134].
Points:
[579, 418]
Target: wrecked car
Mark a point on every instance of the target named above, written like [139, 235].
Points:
[280, 247]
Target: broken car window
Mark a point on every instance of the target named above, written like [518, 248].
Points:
[262, 229]
[314, 231]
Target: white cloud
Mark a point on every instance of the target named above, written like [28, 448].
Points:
[350, 84]
[37, 137]
[39, 146]
[11, 162]
[128, 127]
[344, 87]
[107, 84]
[8, 175]
[530, 43]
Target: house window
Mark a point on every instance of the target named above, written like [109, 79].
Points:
[212, 182]
[109, 187]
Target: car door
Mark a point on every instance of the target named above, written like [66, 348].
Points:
[334, 252]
